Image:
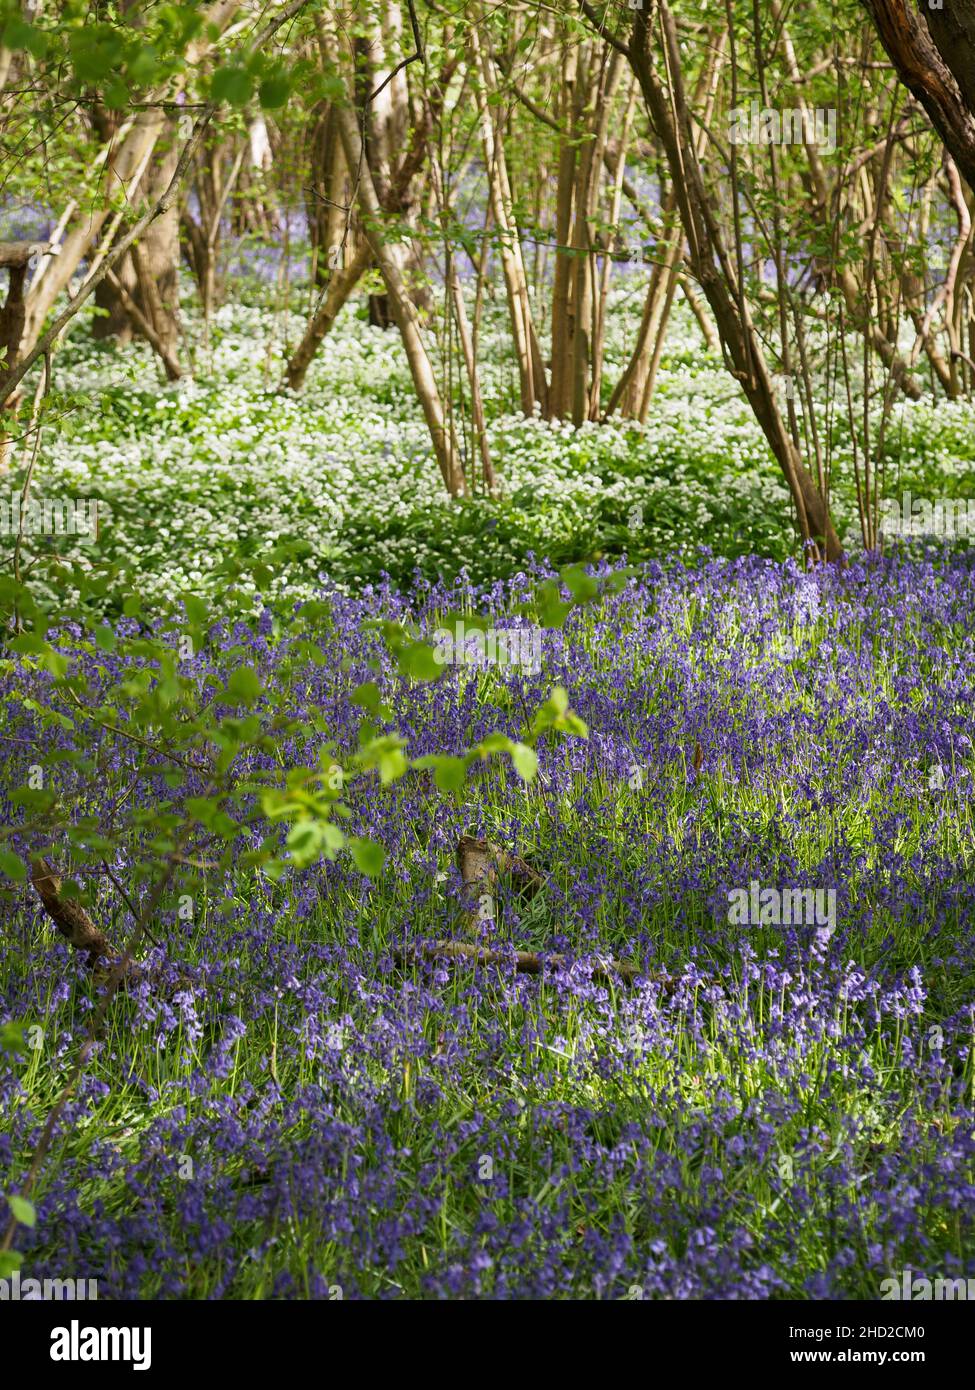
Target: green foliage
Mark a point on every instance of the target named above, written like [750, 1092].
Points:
[12, 1036]
[190, 726]
[22, 1210]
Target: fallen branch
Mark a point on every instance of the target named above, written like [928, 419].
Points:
[530, 962]
[117, 974]
[70, 918]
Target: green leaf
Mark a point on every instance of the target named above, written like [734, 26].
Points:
[552, 608]
[274, 92]
[55, 663]
[244, 685]
[96, 52]
[196, 610]
[495, 743]
[369, 857]
[450, 774]
[36, 42]
[17, 34]
[571, 724]
[30, 644]
[366, 696]
[419, 661]
[525, 760]
[23, 1210]
[146, 65]
[116, 96]
[580, 585]
[392, 765]
[559, 699]
[12, 1036]
[331, 88]
[232, 85]
[305, 842]
[9, 1261]
[12, 865]
[332, 838]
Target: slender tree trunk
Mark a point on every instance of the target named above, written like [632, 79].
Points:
[474, 381]
[858, 311]
[389, 257]
[616, 197]
[531, 370]
[559, 403]
[629, 391]
[714, 271]
[340, 286]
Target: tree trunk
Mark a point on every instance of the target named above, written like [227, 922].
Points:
[389, 257]
[531, 371]
[341, 285]
[934, 54]
[714, 271]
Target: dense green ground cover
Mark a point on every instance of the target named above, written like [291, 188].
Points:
[225, 465]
